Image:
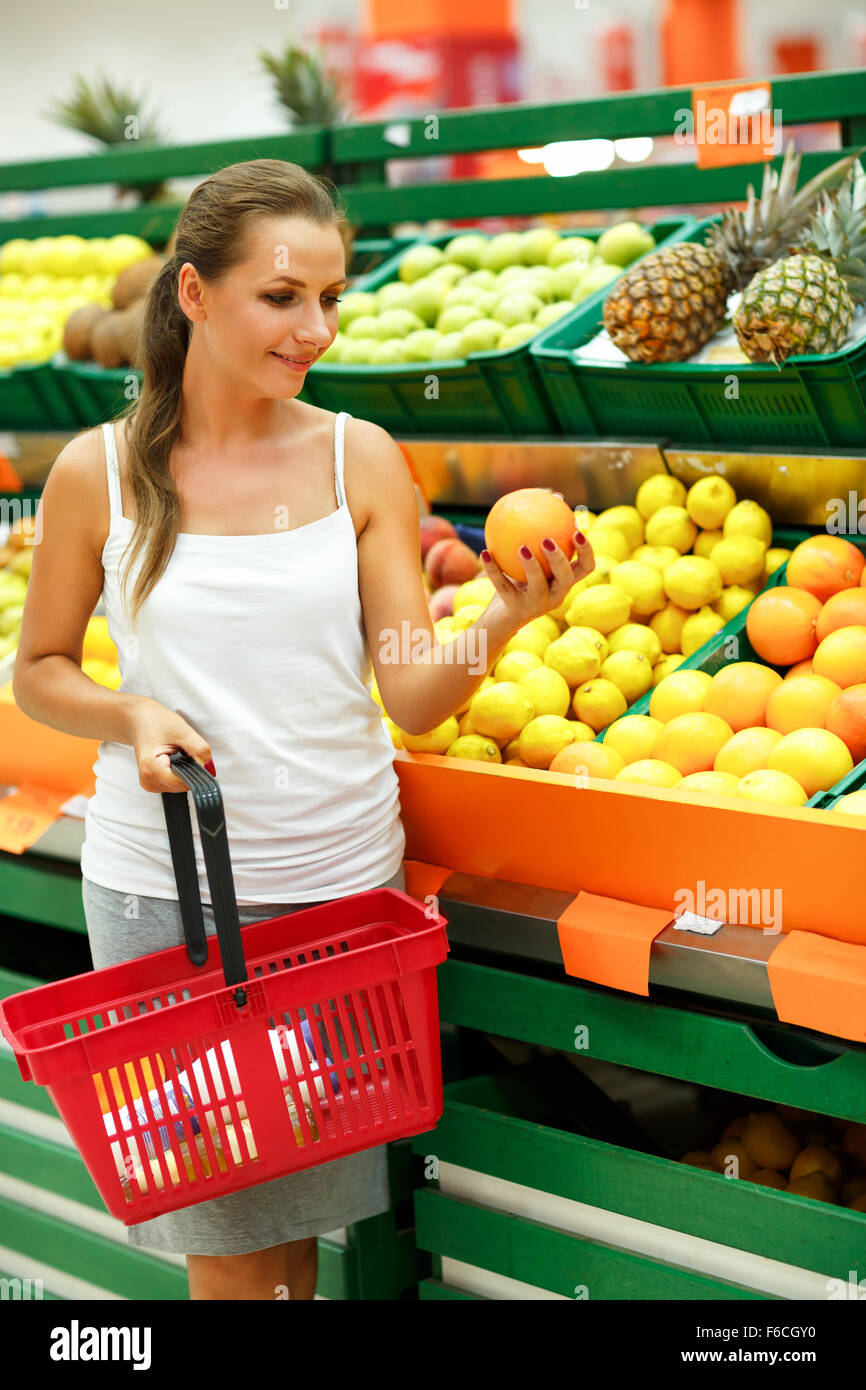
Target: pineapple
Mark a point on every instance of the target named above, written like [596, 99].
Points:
[673, 301]
[806, 302]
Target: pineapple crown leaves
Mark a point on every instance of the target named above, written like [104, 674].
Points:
[748, 241]
[101, 110]
[837, 231]
[304, 87]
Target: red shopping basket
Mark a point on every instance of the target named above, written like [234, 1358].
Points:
[292, 1042]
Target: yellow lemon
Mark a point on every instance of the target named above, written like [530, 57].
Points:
[465, 725]
[509, 749]
[630, 672]
[777, 555]
[514, 762]
[375, 692]
[691, 581]
[598, 703]
[396, 738]
[698, 628]
[766, 784]
[661, 490]
[543, 737]
[713, 783]
[590, 760]
[592, 634]
[643, 584]
[659, 556]
[560, 611]
[513, 665]
[747, 518]
[854, 804]
[548, 690]
[437, 740]
[747, 751]
[733, 600]
[466, 616]
[739, 558]
[650, 772]
[549, 622]
[484, 750]
[576, 659]
[605, 606]
[582, 732]
[97, 642]
[534, 636]
[667, 625]
[445, 629]
[636, 637]
[816, 758]
[502, 710]
[473, 591]
[671, 526]
[682, 692]
[102, 672]
[610, 541]
[583, 517]
[709, 500]
[666, 666]
[706, 543]
[625, 519]
[634, 736]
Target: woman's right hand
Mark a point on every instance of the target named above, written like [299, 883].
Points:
[158, 732]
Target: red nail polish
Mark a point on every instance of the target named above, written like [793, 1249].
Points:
[525, 552]
[581, 538]
[485, 555]
[210, 767]
[548, 543]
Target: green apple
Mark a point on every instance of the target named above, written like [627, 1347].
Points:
[334, 353]
[455, 318]
[596, 277]
[551, 312]
[570, 248]
[480, 336]
[397, 323]
[353, 305]
[485, 278]
[359, 350]
[447, 275]
[427, 299]
[566, 278]
[512, 272]
[466, 249]
[518, 306]
[501, 251]
[419, 345]
[516, 334]
[447, 349]
[624, 242]
[388, 353]
[538, 243]
[481, 299]
[10, 618]
[418, 261]
[394, 295]
[364, 326]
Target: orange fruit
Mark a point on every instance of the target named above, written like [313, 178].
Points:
[739, 693]
[710, 783]
[800, 668]
[747, 751]
[681, 692]
[825, 565]
[815, 758]
[842, 656]
[690, 742]
[780, 624]
[650, 772]
[765, 784]
[800, 704]
[525, 517]
[845, 609]
[846, 717]
[592, 759]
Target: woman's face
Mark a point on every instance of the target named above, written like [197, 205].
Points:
[275, 313]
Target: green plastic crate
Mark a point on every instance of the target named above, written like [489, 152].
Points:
[491, 393]
[812, 399]
[21, 405]
[371, 252]
[97, 393]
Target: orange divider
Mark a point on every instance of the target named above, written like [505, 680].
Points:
[608, 941]
[25, 815]
[39, 755]
[424, 880]
[821, 984]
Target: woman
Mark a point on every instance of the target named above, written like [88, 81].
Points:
[252, 551]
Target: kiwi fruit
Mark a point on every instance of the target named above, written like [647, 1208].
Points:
[815, 1158]
[728, 1149]
[79, 326]
[134, 316]
[768, 1177]
[854, 1143]
[769, 1142]
[813, 1184]
[107, 339]
[133, 281]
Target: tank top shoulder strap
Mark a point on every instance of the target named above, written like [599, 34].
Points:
[112, 464]
[339, 455]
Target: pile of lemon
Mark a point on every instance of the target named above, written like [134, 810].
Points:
[669, 572]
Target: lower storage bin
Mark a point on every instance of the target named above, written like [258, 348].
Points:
[574, 1217]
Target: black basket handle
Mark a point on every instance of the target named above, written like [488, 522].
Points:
[215, 846]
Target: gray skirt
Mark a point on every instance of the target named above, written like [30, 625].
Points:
[308, 1203]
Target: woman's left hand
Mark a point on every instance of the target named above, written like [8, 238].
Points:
[537, 595]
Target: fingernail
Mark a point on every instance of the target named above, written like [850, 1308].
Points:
[209, 767]
[581, 538]
[526, 552]
[485, 555]
[548, 543]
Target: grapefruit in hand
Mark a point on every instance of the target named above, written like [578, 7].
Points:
[525, 517]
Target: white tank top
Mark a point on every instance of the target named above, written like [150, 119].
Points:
[258, 642]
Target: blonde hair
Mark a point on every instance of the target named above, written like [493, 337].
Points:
[211, 235]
